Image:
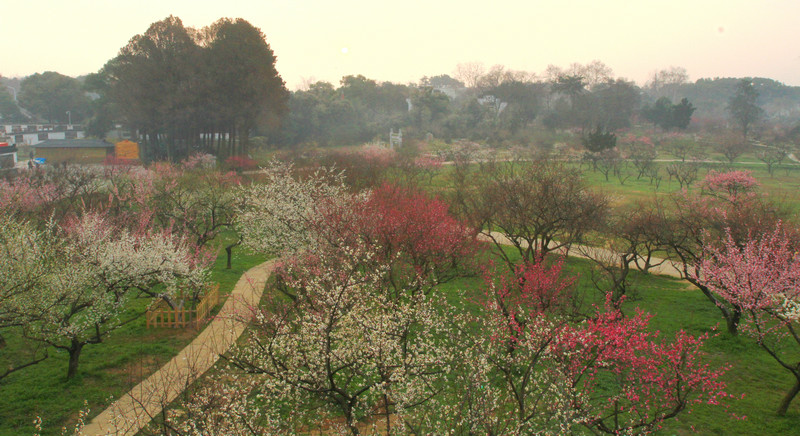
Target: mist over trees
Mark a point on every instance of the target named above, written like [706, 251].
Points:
[497, 105]
[180, 90]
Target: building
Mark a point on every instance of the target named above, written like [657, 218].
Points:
[32, 134]
[8, 155]
[77, 151]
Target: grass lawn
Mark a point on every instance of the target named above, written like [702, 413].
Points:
[781, 187]
[106, 370]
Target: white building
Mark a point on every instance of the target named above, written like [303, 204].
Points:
[32, 134]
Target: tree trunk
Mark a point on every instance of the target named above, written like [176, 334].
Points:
[788, 398]
[74, 354]
[732, 316]
[229, 250]
[732, 320]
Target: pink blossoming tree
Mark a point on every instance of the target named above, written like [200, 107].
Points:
[762, 277]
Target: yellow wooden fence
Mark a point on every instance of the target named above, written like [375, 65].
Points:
[180, 317]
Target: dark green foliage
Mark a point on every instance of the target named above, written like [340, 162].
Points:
[441, 81]
[572, 86]
[617, 101]
[682, 114]
[50, 95]
[427, 107]
[711, 97]
[599, 140]
[609, 105]
[669, 116]
[523, 103]
[9, 111]
[659, 112]
[185, 91]
[743, 107]
[358, 111]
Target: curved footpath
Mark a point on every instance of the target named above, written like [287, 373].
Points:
[135, 409]
[664, 267]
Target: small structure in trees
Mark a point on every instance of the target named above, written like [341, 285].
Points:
[395, 139]
[162, 315]
[84, 151]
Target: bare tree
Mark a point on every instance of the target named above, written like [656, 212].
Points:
[629, 242]
[537, 209]
[470, 73]
[665, 83]
[731, 147]
[773, 156]
[685, 173]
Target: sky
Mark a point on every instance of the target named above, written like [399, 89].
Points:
[403, 41]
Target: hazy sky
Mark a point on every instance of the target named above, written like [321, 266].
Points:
[403, 41]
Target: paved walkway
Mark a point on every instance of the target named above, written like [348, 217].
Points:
[133, 411]
[666, 267]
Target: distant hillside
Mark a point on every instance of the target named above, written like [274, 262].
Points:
[710, 96]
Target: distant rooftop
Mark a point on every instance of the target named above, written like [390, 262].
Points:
[74, 143]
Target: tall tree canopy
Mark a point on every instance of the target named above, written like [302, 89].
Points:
[51, 95]
[743, 107]
[185, 90]
[9, 111]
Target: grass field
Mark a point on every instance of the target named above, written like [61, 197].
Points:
[783, 187]
[106, 370]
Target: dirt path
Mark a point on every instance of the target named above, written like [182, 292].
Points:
[133, 411]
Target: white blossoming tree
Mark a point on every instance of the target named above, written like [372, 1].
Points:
[26, 258]
[95, 270]
[283, 215]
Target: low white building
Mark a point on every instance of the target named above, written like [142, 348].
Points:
[32, 134]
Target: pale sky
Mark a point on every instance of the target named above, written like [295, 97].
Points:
[403, 41]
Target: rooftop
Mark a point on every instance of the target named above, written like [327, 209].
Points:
[74, 143]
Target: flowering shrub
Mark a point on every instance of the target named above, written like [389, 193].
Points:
[428, 162]
[732, 186]
[632, 139]
[241, 163]
[378, 156]
[203, 161]
[627, 379]
[25, 194]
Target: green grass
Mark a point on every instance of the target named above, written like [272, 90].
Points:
[780, 188]
[106, 370]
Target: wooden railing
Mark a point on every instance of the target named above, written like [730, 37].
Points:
[180, 317]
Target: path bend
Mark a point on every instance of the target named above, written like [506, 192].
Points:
[129, 414]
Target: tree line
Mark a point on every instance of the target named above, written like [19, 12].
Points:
[182, 90]
[185, 89]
